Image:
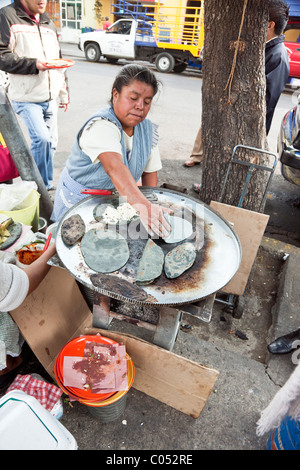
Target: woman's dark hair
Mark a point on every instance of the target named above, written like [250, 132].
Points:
[279, 13]
[132, 72]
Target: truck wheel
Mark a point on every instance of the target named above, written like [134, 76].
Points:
[164, 62]
[92, 52]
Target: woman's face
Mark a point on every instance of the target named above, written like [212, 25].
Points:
[132, 104]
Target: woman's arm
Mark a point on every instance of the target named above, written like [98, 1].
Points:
[149, 179]
[39, 268]
[151, 214]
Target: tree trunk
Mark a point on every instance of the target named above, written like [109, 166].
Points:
[234, 110]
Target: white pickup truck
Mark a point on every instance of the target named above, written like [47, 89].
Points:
[136, 40]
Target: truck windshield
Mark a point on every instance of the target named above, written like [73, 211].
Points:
[121, 27]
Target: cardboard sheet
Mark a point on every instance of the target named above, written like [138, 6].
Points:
[174, 380]
[56, 312]
[249, 227]
[52, 315]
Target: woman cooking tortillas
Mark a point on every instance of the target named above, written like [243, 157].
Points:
[116, 148]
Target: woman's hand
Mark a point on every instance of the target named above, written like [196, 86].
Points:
[152, 217]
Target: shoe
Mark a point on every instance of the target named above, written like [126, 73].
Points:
[285, 344]
[53, 188]
[197, 187]
[189, 163]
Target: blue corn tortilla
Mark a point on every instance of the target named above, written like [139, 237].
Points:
[151, 264]
[15, 230]
[178, 260]
[104, 251]
[118, 286]
[72, 229]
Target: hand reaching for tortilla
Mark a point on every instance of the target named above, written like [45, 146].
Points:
[152, 218]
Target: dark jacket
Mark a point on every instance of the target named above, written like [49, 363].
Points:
[277, 72]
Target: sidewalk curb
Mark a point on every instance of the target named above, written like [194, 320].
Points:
[286, 318]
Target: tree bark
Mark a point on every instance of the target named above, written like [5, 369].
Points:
[234, 109]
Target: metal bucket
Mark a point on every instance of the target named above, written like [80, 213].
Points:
[42, 225]
[109, 413]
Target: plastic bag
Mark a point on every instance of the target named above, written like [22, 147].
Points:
[13, 196]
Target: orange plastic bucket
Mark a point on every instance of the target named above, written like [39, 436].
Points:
[103, 406]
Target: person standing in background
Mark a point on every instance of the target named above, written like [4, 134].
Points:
[277, 67]
[28, 39]
[106, 23]
[277, 71]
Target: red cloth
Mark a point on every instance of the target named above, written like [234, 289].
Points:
[45, 393]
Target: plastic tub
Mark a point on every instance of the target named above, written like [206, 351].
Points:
[104, 407]
[26, 425]
[76, 347]
[29, 215]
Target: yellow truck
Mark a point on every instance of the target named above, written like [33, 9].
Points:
[171, 37]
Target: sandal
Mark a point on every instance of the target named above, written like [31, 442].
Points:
[197, 187]
[189, 163]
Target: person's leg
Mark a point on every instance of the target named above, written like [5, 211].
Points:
[197, 153]
[50, 117]
[33, 115]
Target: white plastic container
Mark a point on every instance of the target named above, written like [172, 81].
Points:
[26, 425]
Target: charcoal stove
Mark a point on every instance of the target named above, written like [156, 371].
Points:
[218, 259]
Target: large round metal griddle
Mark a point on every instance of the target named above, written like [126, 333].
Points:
[218, 250]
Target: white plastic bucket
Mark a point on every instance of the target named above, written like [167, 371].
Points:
[26, 425]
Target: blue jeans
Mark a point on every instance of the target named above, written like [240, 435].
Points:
[41, 121]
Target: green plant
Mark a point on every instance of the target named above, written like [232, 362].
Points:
[98, 11]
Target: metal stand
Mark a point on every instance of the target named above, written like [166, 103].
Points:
[234, 302]
[101, 311]
[167, 327]
[169, 320]
[251, 167]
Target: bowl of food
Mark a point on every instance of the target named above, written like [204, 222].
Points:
[29, 253]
